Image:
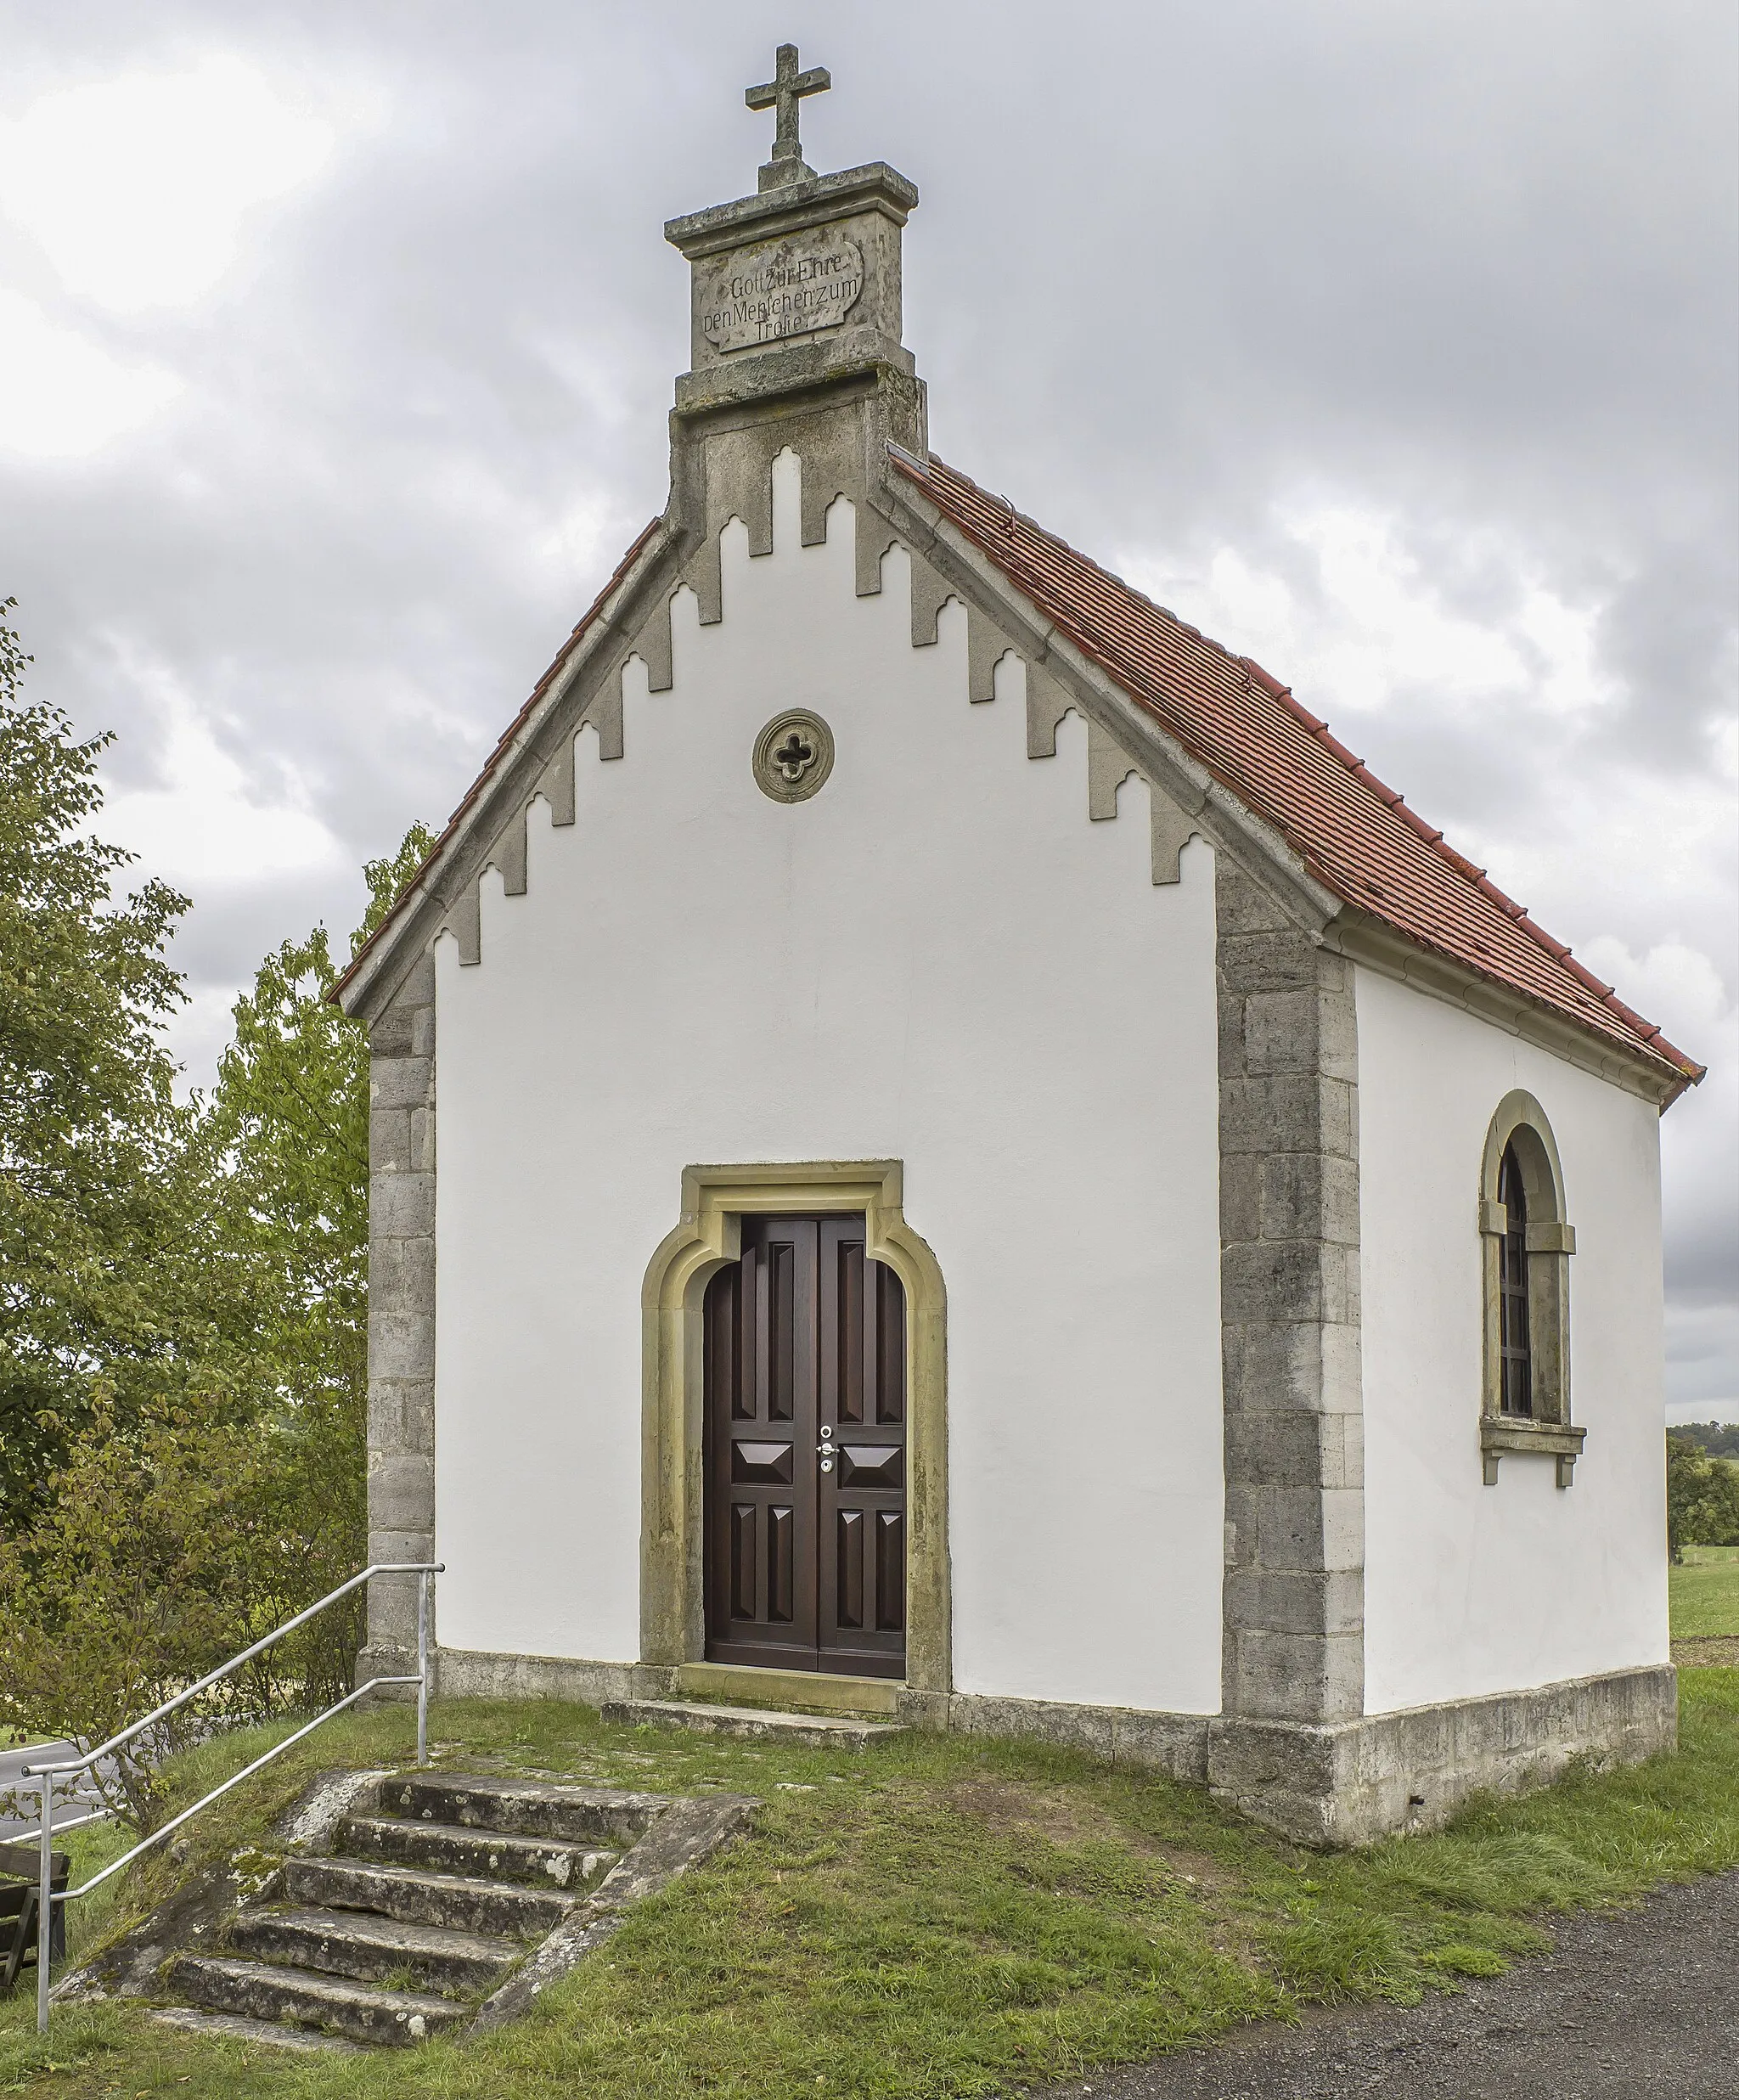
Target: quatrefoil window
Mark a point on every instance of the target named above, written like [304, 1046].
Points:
[793, 756]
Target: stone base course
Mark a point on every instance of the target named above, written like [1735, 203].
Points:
[1322, 1784]
[465, 1674]
[1352, 1782]
[1349, 1783]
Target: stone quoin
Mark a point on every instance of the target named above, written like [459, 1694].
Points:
[941, 1152]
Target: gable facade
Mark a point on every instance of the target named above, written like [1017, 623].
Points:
[938, 960]
[1054, 982]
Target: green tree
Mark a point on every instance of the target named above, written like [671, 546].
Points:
[91, 1138]
[1703, 1498]
[182, 1288]
[179, 1530]
[288, 1123]
[1720, 1439]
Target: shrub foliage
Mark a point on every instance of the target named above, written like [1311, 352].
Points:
[182, 1291]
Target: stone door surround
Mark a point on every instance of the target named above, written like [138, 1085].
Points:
[708, 1235]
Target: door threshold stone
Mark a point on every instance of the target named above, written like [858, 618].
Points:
[821, 1732]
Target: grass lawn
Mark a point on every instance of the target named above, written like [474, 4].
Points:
[938, 1916]
[1705, 1593]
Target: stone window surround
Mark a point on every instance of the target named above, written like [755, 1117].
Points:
[1520, 1122]
[715, 1200]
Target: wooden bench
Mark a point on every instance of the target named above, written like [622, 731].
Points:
[20, 1865]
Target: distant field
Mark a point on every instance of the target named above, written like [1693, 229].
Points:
[1705, 1593]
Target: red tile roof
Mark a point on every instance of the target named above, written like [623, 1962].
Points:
[1357, 836]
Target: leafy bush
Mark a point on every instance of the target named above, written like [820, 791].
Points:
[1703, 1498]
[168, 1544]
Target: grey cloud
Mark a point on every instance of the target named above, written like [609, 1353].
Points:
[1467, 263]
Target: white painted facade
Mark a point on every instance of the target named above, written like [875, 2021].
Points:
[938, 958]
[1471, 1589]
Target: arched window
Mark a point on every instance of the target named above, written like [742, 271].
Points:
[1527, 1241]
[1516, 1370]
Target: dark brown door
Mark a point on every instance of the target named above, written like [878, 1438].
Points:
[806, 1453]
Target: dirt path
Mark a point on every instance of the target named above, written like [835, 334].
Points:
[1625, 2007]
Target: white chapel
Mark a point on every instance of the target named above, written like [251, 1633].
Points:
[941, 1149]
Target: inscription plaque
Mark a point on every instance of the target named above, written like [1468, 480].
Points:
[783, 288]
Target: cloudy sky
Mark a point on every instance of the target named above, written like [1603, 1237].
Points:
[1395, 346]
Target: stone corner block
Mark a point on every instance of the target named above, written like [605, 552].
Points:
[1352, 1780]
[400, 1207]
[405, 1081]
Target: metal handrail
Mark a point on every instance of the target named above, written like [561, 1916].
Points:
[77, 1822]
[47, 1898]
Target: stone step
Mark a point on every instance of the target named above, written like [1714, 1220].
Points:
[263, 1991]
[527, 1808]
[458, 1902]
[374, 1949]
[489, 1854]
[231, 2027]
[820, 1732]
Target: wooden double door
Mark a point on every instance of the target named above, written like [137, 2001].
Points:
[806, 1453]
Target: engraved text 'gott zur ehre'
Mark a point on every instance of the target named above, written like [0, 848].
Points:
[785, 288]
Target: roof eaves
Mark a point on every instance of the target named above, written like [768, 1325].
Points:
[504, 743]
[1646, 1030]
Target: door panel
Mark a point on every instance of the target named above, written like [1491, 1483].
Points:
[805, 1458]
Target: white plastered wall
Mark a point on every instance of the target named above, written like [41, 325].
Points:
[938, 958]
[1471, 1588]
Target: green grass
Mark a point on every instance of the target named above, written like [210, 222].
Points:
[1704, 1593]
[940, 1916]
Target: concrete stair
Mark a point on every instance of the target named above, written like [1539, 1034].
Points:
[270, 1991]
[376, 1951]
[450, 1849]
[265, 2034]
[427, 1903]
[415, 1897]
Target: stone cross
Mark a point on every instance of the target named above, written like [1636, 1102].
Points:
[783, 92]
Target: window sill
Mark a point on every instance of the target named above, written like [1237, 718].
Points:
[1561, 1440]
